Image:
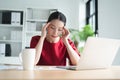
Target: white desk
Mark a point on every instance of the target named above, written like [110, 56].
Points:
[46, 74]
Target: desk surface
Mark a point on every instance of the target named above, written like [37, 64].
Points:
[46, 74]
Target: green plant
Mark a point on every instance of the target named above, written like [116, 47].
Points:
[77, 35]
[86, 32]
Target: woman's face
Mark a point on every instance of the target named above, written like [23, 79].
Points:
[55, 28]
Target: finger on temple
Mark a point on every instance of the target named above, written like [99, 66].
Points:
[46, 25]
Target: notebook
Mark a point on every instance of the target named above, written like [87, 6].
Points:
[98, 53]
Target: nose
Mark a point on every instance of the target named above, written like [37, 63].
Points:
[55, 32]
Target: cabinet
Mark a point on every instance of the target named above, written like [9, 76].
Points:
[35, 20]
[11, 31]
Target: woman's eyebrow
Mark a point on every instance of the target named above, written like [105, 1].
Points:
[53, 25]
[56, 26]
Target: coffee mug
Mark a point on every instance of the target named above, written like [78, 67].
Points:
[27, 57]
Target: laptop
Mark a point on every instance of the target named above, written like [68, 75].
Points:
[98, 53]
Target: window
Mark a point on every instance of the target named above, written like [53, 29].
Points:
[91, 14]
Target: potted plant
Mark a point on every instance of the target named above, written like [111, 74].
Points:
[81, 36]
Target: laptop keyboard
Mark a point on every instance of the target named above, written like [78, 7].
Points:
[68, 67]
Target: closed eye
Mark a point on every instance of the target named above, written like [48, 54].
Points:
[60, 29]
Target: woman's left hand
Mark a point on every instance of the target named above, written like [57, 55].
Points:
[65, 34]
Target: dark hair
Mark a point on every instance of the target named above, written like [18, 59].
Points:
[57, 15]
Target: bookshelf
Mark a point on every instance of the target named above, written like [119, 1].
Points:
[11, 29]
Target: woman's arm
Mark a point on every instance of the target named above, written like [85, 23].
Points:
[39, 46]
[74, 57]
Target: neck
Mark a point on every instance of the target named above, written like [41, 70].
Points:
[52, 40]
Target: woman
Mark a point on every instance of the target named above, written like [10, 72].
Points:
[53, 46]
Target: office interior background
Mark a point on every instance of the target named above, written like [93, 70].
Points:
[74, 10]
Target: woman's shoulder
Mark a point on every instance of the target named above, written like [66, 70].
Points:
[36, 37]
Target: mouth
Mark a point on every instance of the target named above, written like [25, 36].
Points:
[54, 36]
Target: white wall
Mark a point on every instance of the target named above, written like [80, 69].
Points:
[109, 21]
[69, 7]
[109, 18]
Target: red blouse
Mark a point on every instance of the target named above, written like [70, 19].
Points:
[52, 53]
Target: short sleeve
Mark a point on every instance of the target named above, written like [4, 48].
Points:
[73, 46]
[34, 41]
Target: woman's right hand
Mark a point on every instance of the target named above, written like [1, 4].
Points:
[44, 30]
